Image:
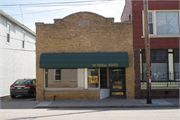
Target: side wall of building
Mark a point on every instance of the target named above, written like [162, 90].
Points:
[15, 62]
[127, 12]
[72, 35]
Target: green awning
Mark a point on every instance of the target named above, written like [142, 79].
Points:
[84, 60]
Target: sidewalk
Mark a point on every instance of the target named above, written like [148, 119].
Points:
[108, 103]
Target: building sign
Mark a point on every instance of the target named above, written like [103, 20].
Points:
[105, 65]
[93, 79]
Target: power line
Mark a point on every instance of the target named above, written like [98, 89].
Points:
[21, 15]
[137, 9]
[17, 39]
[18, 49]
[48, 10]
[30, 44]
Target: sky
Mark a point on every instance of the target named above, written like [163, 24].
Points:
[28, 12]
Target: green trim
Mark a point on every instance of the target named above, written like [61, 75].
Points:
[84, 60]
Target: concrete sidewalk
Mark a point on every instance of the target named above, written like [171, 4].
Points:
[108, 103]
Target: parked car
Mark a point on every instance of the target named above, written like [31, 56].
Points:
[23, 87]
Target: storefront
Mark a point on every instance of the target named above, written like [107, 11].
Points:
[101, 71]
[93, 60]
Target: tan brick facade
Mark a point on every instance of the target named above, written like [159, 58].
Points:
[72, 35]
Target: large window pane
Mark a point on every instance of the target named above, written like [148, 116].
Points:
[161, 55]
[93, 78]
[176, 55]
[159, 71]
[167, 23]
[159, 62]
[64, 78]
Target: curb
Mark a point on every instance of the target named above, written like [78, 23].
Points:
[144, 106]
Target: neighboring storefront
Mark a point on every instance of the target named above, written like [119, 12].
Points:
[84, 56]
[164, 44]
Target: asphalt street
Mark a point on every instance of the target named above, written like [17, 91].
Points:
[22, 108]
[92, 114]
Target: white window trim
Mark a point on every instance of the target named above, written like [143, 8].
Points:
[154, 35]
[85, 78]
[44, 79]
[170, 64]
[99, 76]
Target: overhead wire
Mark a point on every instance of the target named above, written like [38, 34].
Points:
[72, 6]
[56, 3]
[47, 10]
[27, 41]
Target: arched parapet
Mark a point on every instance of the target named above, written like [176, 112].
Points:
[83, 19]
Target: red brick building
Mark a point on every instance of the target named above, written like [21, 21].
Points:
[164, 21]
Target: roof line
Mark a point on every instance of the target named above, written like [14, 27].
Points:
[16, 22]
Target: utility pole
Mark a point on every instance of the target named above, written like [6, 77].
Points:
[147, 49]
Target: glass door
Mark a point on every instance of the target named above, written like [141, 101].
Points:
[117, 81]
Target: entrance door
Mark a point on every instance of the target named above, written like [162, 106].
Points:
[117, 81]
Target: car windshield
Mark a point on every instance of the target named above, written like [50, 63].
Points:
[22, 81]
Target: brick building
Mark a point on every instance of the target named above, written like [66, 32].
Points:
[164, 21]
[84, 56]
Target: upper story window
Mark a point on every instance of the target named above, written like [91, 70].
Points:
[167, 23]
[163, 23]
[23, 40]
[8, 32]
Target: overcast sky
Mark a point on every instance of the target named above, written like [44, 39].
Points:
[30, 11]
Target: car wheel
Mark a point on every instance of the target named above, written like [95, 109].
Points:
[13, 96]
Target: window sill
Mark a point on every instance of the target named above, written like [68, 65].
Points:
[56, 80]
[162, 36]
[72, 89]
[8, 43]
